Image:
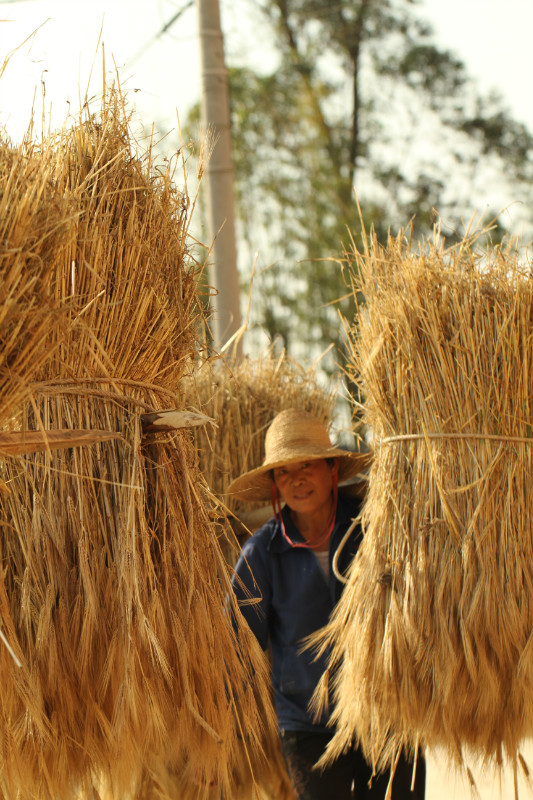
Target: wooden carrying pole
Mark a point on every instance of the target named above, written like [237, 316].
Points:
[221, 197]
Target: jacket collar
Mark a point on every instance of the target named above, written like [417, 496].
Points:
[278, 543]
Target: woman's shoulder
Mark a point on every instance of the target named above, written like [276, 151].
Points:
[261, 537]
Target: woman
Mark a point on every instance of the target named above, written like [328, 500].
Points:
[287, 589]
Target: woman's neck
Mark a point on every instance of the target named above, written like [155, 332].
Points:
[313, 527]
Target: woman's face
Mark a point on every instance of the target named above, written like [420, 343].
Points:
[306, 486]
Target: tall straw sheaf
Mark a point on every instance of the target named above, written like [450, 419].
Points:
[113, 586]
[432, 638]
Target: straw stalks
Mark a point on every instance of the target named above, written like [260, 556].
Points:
[431, 641]
[36, 233]
[114, 587]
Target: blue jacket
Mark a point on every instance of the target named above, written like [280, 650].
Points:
[295, 600]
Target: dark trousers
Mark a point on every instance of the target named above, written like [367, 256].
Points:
[349, 777]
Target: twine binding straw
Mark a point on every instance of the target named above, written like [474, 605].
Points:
[411, 437]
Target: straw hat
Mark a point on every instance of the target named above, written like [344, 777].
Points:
[295, 435]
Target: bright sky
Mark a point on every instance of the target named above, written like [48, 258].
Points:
[161, 73]
[495, 39]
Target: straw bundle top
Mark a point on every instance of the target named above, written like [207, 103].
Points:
[293, 436]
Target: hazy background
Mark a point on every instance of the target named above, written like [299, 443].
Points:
[493, 37]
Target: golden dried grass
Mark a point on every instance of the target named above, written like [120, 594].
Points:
[36, 234]
[113, 593]
[116, 588]
[431, 641]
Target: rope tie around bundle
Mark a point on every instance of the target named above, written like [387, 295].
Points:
[493, 437]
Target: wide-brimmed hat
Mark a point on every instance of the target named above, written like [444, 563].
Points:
[293, 436]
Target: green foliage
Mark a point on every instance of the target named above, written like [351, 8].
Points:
[497, 133]
[361, 99]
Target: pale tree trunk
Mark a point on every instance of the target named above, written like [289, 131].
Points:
[223, 272]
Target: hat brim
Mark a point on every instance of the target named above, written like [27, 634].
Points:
[257, 483]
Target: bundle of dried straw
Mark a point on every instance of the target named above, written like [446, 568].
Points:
[432, 640]
[113, 585]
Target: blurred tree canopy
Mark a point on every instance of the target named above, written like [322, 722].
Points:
[361, 100]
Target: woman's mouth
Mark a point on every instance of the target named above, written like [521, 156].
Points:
[302, 495]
